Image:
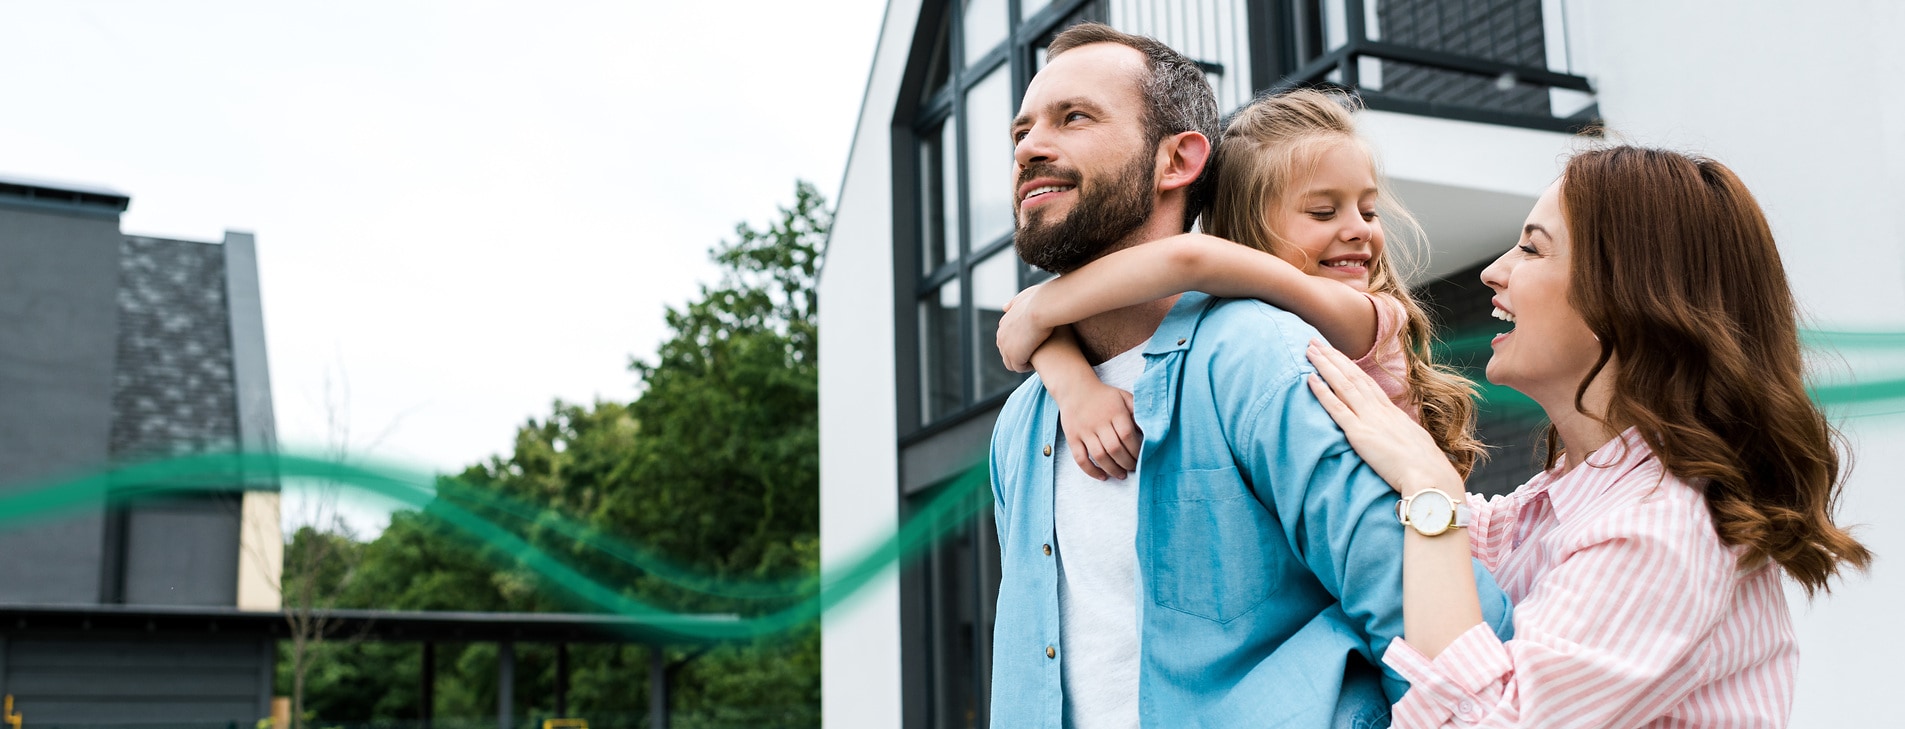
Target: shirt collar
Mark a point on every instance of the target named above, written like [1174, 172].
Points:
[1179, 327]
[1608, 465]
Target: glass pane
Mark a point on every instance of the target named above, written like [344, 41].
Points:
[984, 24]
[942, 380]
[1311, 28]
[1029, 8]
[953, 590]
[989, 159]
[994, 282]
[938, 178]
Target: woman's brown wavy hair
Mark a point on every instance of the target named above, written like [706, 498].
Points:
[1276, 141]
[1675, 270]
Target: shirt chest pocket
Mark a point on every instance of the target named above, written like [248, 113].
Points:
[1209, 543]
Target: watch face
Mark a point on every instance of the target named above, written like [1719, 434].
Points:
[1431, 512]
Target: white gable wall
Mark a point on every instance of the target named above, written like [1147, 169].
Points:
[859, 462]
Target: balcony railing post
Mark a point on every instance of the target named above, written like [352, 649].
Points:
[1276, 62]
[1356, 34]
[1272, 43]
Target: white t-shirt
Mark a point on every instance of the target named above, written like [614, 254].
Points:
[1097, 550]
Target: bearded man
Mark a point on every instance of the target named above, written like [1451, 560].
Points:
[1248, 572]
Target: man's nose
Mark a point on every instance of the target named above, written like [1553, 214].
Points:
[1034, 147]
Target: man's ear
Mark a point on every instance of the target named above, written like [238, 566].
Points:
[1181, 158]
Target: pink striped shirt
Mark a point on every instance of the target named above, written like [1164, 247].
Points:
[1629, 612]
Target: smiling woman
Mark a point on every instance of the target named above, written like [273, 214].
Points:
[1687, 469]
[1548, 353]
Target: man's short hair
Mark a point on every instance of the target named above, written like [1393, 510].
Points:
[1177, 97]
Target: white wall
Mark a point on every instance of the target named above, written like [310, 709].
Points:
[1469, 184]
[859, 462]
[1806, 101]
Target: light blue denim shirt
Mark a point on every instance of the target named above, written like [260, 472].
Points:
[1269, 555]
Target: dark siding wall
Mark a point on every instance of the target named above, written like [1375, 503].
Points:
[136, 679]
[183, 553]
[58, 325]
[174, 393]
[1507, 31]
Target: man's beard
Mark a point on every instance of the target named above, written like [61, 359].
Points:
[1105, 212]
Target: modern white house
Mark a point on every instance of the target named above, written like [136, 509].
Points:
[1473, 106]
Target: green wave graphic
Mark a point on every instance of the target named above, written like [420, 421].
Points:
[437, 496]
[458, 504]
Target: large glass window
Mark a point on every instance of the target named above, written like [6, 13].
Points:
[989, 158]
[980, 59]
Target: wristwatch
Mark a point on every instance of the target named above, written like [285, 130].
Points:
[1431, 512]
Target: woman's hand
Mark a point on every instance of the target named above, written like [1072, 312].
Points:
[1402, 453]
[1018, 338]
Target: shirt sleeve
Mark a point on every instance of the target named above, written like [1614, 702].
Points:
[1594, 643]
[1385, 362]
[1491, 526]
[1000, 456]
[1336, 513]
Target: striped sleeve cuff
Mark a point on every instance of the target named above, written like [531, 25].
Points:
[1458, 687]
[1489, 522]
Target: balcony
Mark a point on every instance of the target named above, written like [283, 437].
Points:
[1504, 62]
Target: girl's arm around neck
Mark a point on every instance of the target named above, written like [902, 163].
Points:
[1095, 418]
[1198, 262]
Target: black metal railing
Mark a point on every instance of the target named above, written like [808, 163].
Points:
[1473, 60]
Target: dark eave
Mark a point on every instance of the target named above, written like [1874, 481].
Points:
[378, 625]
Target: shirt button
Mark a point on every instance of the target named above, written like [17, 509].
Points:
[1181, 341]
[1467, 710]
[1048, 449]
[1048, 550]
[1051, 652]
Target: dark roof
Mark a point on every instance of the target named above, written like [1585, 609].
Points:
[62, 195]
[173, 383]
[378, 625]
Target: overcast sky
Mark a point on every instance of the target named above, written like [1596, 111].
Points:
[464, 210]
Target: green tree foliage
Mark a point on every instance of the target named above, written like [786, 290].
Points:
[714, 467]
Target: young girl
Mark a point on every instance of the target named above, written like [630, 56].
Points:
[1295, 181]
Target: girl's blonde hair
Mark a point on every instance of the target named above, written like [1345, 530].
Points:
[1277, 141]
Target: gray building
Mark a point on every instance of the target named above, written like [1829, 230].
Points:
[116, 348]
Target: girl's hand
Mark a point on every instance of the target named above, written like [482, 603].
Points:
[1017, 337]
[1100, 431]
[1396, 446]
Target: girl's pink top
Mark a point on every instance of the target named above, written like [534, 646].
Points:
[1385, 361]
